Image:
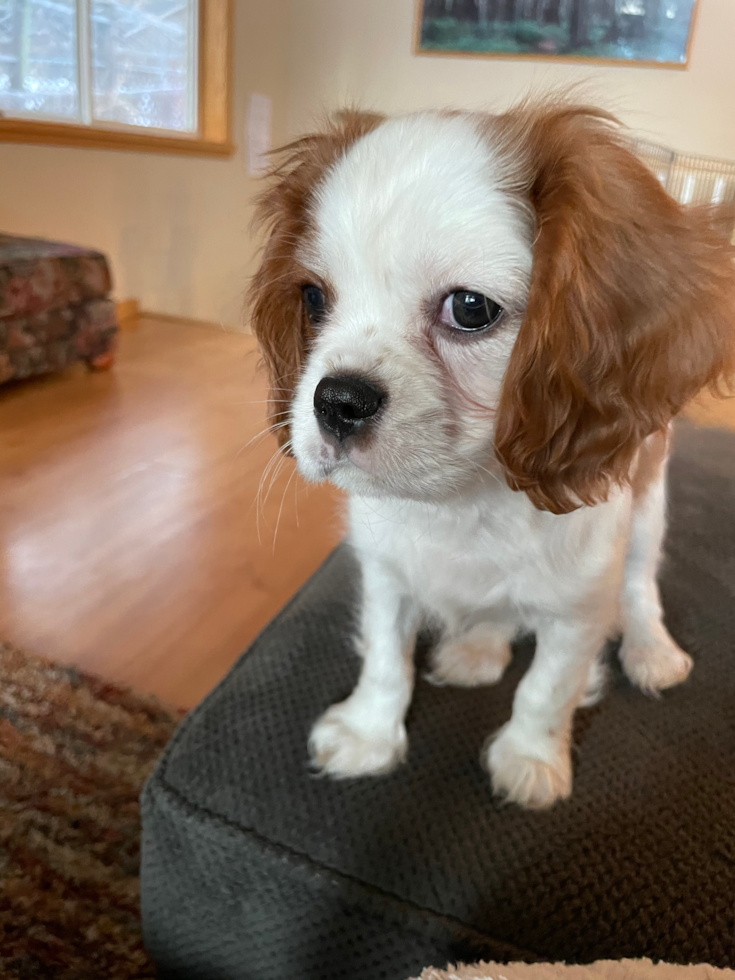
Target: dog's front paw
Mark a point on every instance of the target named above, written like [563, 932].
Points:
[339, 747]
[656, 664]
[478, 657]
[534, 776]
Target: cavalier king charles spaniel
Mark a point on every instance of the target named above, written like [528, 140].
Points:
[481, 327]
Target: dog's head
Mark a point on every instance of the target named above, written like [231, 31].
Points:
[444, 295]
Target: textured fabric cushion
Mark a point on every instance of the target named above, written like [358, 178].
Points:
[253, 868]
[37, 275]
[52, 340]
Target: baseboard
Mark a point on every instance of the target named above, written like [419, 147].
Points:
[193, 321]
[128, 311]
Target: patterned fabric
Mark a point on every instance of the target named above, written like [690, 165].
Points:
[54, 307]
[36, 275]
[53, 340]
[74, 752]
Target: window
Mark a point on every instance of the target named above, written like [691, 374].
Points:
[139, 73]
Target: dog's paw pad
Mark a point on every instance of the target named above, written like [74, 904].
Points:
[523, 778]
[337, 748]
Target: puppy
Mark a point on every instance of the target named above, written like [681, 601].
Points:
[481, 327]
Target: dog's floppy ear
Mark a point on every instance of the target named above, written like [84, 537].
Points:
[631, 310]
[283, 211]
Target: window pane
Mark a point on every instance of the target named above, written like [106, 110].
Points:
[38, 57]
[144, 66]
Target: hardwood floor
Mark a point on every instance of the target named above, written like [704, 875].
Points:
[128, 525]
[715, 413]
[131, 542]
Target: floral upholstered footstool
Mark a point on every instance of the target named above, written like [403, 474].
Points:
[55, 308]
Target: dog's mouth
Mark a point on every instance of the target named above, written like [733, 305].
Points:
[332, 457]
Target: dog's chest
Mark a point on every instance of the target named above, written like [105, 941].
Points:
[499, 554]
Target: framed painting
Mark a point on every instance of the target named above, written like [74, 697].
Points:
[634, 32]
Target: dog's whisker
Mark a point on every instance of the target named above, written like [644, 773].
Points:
[260, 435]
[274, 461]
[280, 509]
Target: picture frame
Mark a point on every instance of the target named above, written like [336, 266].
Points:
[650, 33]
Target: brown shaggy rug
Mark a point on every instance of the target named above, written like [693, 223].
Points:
[74, 753]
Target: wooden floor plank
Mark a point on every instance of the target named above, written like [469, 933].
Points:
[132, 545]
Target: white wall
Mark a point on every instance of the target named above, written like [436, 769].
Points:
[360, 51]
[175, 228]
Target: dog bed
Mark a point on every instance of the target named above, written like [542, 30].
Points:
[255, 869]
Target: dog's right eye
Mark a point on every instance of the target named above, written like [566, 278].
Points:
[315, 304]
[470, 312]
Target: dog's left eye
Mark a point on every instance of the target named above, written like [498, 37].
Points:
[315, 304]
[468, 311]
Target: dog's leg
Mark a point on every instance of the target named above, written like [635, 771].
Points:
[650, 658]
[477, 657]
[366, 733]
[530, 757]
[596, 682]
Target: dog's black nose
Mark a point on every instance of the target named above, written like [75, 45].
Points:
[344, 405]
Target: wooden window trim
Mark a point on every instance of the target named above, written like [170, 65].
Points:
[214, 138]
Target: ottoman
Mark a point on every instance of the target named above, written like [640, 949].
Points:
[255, 869]
[55, 307]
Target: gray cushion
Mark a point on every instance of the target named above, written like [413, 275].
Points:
[254, 868]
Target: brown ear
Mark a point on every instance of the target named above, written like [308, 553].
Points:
[276, 307]
[631, 310]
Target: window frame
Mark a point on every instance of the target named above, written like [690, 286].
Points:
[214, 104]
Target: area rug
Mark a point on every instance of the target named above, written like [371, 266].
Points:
[74, 753]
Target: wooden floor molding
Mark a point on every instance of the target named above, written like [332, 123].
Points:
[193, 322]
[128, 312]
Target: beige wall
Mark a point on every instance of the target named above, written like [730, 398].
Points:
[175, 228]
[360, 51]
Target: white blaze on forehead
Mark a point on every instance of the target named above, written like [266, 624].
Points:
[420, 203]
[418, 208]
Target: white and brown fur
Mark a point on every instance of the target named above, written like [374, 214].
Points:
[514, 481]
